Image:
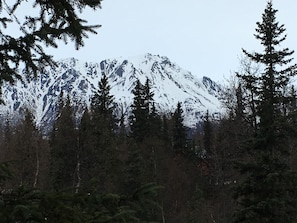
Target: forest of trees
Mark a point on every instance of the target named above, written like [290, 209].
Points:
[240, 168]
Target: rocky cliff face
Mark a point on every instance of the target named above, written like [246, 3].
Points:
[79, 80]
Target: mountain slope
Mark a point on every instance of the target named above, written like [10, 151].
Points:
[170, 84]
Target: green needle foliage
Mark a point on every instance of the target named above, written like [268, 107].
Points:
[268, 192]
[49, 22]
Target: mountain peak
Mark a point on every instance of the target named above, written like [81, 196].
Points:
[170, 83]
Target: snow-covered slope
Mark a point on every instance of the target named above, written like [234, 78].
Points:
[79, 80]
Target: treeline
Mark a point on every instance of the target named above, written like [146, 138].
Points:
[149, 169]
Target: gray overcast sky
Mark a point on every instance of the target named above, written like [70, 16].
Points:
[202, 36]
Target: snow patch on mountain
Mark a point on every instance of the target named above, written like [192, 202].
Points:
[170, 83]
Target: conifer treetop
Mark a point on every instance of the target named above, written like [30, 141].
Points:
[271, 35]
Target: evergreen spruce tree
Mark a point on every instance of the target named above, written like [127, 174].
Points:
[292, 107]
[22, 148]
[102, 112]
[121, 126]
[28, 151]
[63, 149]
[85, 153]
[155, 122]
[103, 135]
[134, 169]
[179, 130]
[268, 193]
[150, 110]
[102, 101]
[145, 128]
[207, 138]
[141, 108]
[165, 129]
[137, 117]
[7, 141]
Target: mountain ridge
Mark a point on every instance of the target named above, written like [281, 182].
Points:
[170, 84]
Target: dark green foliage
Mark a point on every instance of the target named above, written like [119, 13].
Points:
[103, 120]
[150, 109]
[7, 134]
[23, 148]
[196, 206]
[165, 129]
[5, 173]
[143, 117]
[146, 130]
[103, 161]
[155, 122]
[291, 110]
[102, 101]
[179, 130]
[85, 151]
[109, 208]
[139, 117]
[27, 205]
[267, 194]
[207, 138]
[28, 151]
[64, 150]
[55, 20]
[143, 201]
[20, 205]
[134, 170]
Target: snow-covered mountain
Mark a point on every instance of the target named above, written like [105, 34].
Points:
[170, 84]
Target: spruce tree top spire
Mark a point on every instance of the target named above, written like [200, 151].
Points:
[268, 191]
[270, 33]
[272, 82]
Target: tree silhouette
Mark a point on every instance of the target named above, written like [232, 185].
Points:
[267, 194]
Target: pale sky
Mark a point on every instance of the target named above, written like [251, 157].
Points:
[202, 36]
